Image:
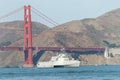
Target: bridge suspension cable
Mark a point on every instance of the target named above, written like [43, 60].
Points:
[43, 16]
[11, 13]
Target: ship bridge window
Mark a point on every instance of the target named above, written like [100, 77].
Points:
[64, 56]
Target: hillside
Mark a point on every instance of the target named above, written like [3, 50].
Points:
[13, 31]
[84, 33]
[98, 32]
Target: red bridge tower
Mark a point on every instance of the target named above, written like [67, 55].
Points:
[28, 37]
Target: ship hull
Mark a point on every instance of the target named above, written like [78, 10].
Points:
[58, 64]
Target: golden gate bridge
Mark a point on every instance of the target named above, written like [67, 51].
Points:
[28, 47]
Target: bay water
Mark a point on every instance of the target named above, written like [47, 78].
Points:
[81, 73]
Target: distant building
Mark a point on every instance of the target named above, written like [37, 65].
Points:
[111, 52]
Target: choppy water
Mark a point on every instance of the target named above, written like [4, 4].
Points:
[81, 73]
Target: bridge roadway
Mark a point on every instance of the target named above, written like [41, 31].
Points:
[6, 48]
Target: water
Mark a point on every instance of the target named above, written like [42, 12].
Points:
[81, 73]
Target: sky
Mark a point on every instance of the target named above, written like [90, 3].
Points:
[62, 11]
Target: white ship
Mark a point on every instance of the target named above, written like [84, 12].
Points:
[60, 60]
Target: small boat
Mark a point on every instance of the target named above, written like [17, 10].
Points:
[61, 60]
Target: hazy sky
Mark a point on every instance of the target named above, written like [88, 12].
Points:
[63, 10]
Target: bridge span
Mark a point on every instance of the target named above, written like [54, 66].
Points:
[6, 48]
[28, 47]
